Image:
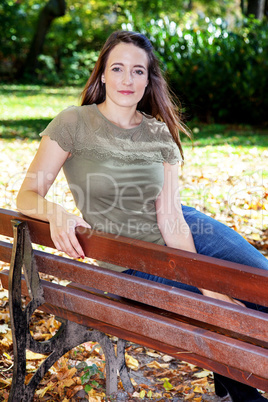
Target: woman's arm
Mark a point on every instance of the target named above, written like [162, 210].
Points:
[172, 224]
[31, 201]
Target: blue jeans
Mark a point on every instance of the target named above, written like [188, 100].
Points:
[214, 239]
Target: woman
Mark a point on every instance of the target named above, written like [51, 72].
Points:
[120, 152]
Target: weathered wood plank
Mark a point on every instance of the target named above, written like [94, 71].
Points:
[243, 376]
[247, 283]
[5, 251]
[146, 340]
[157, 326]
[233, 318]
[164, 329]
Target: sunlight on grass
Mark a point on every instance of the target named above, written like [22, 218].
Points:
[26, 110]
[21, 101]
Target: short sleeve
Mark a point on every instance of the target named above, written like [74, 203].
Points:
[63, 128]
[170, 150]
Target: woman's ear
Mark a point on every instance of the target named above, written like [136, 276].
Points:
[103, 78]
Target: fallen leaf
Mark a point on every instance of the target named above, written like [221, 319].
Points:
[157, 365]
[198, 389]
[68, 382]
[4, 328]
[142, 394]
[34, 356]
[41, 392]
[203, 373]
[202, 381]
[3, 294]
[167, 358]
[7, 356]
[95, 396]
[167, 384]
[189, 396]
[6, 381]
[131, 362]
[152, 354]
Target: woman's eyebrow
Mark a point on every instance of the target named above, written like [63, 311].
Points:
[122, 64]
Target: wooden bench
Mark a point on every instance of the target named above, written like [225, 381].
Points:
[226, 338]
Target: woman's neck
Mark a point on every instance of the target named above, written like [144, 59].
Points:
[124, 117]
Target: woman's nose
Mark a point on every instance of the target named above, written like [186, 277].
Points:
[127, 79]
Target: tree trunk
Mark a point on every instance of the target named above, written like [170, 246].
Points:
[256, 7]
[242, 5]
[53, 9]
[190, 5]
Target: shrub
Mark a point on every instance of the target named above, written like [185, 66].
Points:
[220, 75]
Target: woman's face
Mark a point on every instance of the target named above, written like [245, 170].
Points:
[126, 75]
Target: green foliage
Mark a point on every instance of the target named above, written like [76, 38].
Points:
[89, 372]
[17, 21]
[219, 74]
[167, 384]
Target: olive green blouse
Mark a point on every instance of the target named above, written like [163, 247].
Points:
[114, 174]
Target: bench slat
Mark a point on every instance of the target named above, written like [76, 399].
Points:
[247, 283]
[155, 325]
[231, 317]
[178, 353]
[208, 344]
[5, 251]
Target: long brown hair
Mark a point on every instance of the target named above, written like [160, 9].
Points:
[157, 100]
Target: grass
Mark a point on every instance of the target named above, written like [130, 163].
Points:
[221, 134]
[26, 110]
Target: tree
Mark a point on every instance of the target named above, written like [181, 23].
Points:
[256, 8]
[53, 9]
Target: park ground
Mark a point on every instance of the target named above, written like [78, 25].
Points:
[225, 175]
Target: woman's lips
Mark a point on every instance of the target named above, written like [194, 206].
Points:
[126, 92]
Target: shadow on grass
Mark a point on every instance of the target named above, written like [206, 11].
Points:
[26, 128]
[222, 134]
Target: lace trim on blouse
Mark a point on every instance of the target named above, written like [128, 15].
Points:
[84, 131]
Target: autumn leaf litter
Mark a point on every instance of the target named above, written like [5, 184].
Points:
[222, 182]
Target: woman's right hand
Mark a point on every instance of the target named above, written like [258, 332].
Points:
[31, 201]
[62, 231]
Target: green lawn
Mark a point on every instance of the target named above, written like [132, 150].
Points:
[26, 110]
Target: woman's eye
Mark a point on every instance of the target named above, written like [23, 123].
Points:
[139, 72]
[116, 69]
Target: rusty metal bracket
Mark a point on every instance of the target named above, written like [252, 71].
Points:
[68, 336]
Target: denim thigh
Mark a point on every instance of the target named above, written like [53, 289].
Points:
[214, 239]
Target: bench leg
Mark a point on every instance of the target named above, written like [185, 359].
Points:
[68, 336]
[114, 364]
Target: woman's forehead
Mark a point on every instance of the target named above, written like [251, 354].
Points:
[128, 53]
